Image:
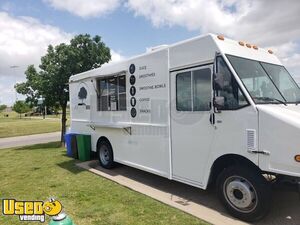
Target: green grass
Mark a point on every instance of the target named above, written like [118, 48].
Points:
[14, 126]
[42, 171]
[18, 127]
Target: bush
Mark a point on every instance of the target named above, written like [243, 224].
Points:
[21, 107]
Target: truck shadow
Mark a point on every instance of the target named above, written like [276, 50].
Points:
[285, 208]
[70, 166]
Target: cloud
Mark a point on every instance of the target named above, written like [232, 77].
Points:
[266, 23]
[85, 8]
[254, 20]
[23, 41]
[115, 56]
[290, 57]
[272, 23]
[259, 22]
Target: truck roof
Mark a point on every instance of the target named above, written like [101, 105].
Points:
[222, 44]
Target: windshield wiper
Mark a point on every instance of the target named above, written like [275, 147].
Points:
[270, 99]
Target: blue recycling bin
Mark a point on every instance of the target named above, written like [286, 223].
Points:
[71, 145]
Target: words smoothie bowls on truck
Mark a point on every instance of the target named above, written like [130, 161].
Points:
[208, 110]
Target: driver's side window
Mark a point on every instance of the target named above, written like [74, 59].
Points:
[228, 88]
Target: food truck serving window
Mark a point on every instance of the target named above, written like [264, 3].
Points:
[112, 93]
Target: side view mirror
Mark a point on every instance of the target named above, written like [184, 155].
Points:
[219, 102]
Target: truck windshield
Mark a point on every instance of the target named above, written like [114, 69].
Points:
[266, 83]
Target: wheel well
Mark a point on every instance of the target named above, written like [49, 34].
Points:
[103, 139]
[225, 161]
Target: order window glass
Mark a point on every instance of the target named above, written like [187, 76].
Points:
[103, 99]
[122, 93]
[112, 93]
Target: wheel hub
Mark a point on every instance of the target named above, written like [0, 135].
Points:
[240, 194]
[104, 155]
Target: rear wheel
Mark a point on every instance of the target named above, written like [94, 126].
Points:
[105, 155]
[244, 192]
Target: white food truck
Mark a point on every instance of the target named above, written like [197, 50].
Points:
[204, 111]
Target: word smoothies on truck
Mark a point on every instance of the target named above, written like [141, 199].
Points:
[205, 111]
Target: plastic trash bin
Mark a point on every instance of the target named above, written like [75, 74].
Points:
[68, 138]
[74, 146]
[71, 144]
[84, 147]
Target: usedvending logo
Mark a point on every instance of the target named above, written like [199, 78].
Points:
[31, 210]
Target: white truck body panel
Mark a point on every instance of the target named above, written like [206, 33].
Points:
[279, 135]
[184, 145]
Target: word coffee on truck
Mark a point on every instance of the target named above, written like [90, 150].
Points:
[205, 111]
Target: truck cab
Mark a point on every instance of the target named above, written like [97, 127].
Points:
[275, 95]
[239, 128]
[261, 87]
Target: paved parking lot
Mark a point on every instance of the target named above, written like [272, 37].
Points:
[202, 204]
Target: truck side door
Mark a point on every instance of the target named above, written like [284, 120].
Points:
[191, 131]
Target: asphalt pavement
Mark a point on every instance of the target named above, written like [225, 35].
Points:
[202, 204]
[29, 140]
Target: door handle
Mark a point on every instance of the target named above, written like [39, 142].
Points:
[212, 118]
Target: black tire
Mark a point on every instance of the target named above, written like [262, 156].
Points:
[105, 155]
[236, 185]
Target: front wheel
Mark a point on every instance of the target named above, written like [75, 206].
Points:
[105, 155]
[245, 193]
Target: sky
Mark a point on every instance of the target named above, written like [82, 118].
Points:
[128, 27]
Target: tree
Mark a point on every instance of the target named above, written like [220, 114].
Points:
[21, 107]
[82, 54]
[2, 107]
[31, 87]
